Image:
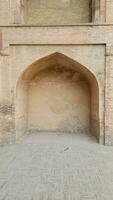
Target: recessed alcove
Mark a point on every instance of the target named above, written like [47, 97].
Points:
[59, 94]
[54, 12]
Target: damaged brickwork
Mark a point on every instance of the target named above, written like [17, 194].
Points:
[7, 122]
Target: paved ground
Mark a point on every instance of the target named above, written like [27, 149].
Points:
[50, 166]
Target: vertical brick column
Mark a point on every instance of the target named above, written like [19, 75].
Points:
[109, 11]
[6, 103]
[99, 11]
[102, 11]
[0, 64]
[17, 11]
[109, 96]
[95, 10]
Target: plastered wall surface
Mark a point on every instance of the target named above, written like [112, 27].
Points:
[58, 12]
[59, 100]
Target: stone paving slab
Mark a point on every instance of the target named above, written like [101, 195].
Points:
[47, 166]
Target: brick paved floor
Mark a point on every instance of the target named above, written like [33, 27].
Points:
[56, 166]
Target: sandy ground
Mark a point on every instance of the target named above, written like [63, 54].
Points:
[56, 166]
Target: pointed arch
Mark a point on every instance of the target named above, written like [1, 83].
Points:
[62, 62]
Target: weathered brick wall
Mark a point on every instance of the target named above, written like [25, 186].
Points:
[24, 55]
[17, 44]
[109, 96]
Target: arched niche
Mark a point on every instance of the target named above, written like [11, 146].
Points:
[54, 12]
[56, 93]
